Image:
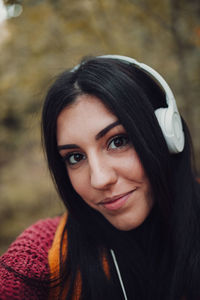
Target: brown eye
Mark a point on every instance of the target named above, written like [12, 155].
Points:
[118, 142]
[74, 158]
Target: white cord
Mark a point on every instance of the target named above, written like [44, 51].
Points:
[118, 273]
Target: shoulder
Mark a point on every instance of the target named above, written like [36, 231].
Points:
[27, 258]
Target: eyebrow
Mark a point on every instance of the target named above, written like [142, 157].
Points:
[106, 129]
[99, 135]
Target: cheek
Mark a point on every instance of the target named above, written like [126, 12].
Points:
[79, 183]
[132, 167]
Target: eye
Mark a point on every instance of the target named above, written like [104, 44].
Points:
[73, 158]
[118, 142]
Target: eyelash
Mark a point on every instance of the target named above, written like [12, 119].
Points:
[69, 155]
[120, 136]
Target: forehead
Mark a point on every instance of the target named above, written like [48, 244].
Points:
[85, 117]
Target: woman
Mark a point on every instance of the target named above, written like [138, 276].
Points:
[120, 157]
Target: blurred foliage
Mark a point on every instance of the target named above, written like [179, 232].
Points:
[50, 36]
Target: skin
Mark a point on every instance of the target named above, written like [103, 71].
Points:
[104, 168]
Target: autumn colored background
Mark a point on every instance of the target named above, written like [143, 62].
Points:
[39, 39]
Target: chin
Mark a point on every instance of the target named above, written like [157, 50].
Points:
[128, 224]
[124, 226]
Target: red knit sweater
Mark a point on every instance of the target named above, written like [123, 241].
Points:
[27, 256]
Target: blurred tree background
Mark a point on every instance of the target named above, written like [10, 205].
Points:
[41, 38]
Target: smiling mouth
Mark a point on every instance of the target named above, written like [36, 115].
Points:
[116, 202]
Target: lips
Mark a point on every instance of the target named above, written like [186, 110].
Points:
[116, 202]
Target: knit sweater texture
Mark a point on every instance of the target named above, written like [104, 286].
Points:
[27, 257]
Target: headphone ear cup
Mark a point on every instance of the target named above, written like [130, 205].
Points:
[171, 126]
[176, 137]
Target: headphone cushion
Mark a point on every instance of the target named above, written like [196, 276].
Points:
[171, 126]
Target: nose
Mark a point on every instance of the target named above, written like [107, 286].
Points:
[102, 173]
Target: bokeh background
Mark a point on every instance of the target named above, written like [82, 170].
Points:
[41, 38]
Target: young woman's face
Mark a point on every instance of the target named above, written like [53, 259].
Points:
[102, 164]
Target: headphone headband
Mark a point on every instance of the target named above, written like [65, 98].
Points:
[150, 71]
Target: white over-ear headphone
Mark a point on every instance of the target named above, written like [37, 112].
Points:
[168, 118]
